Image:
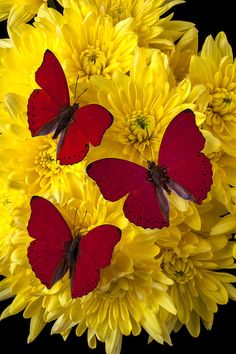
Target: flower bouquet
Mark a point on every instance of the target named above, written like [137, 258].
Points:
[117, 159]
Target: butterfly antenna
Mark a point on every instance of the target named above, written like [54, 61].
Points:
[137, 150]
[82, 223]
[76, 86]
[73, 225]
[149, 145]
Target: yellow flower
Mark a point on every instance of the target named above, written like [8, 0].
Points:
[30, 163]
[215, 68]
[101, 49]
[16, 60]
[158, 279]
[143, 104]
[9, 200]
[131, 301]
[129, 296]
[199, 287]
[180, 57]
[18, 11]
[152, 28]
[224, 185]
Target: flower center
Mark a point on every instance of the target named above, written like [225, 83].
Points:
[222, 104]
[180, 269]
[141, 126]
[118, 9]
[45, 160]
[93, 61]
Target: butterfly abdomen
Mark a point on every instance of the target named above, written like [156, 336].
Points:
[73, 251]
[64, 119]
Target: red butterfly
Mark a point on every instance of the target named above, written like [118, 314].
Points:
[54, 250]
[181, 168]
[49, 110]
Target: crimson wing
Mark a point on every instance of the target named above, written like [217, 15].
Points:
[88, 126]
[51, 235]
[45, 104]
[147, 207]
[73, 146]
[95, 253]
[93, 120]
[42, 113]
[189, 170]
[117, 178]
[51, 78]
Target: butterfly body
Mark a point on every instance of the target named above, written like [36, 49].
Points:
[54, 250]
[65, 118]
[68, 262]
[72, 251]
[49, 111]
[182, 168]
[158, 176]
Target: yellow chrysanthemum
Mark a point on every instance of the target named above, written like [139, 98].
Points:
[224, 185]
[131, 291]
[158, 280]
[222, 172]
[131, 301]
[101, 49]
[30, 163]
[9, 200]
[91, 44]
[152, 29]
[180, 57]
[143, 104]
[199, 287]
[215, 68]
[18, 11]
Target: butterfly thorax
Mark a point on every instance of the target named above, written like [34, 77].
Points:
[72, 251]
[158, 175]
[64, 118]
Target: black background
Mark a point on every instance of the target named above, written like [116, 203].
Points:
[218, 16]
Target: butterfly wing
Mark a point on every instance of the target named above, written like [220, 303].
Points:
[41, 113]
[117, 177]
[73, 146]
[147, 207]
[93, 120]
[88, 126]
[189, 170]
[47, 252]
[95, 253]
[45, 105]
[51, 78]
[194, 176]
